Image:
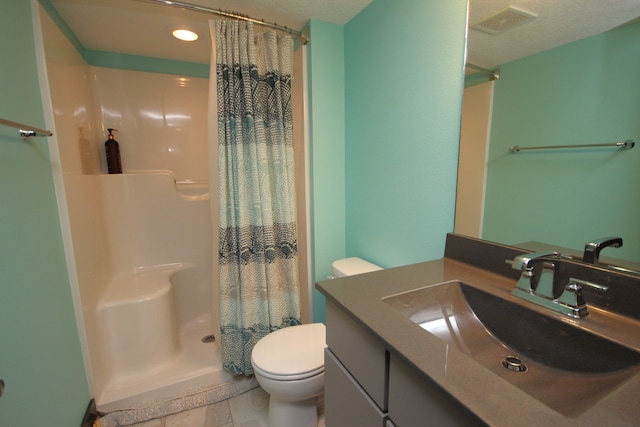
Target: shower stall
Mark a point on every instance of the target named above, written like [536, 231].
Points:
[140, 245]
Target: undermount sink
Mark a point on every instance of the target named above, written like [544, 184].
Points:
[565, 367]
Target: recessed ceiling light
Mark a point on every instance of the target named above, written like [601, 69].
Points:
[184, 34]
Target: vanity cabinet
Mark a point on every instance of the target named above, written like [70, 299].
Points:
[346, 403]
[416, 401]
[356, 374]
[367, 386]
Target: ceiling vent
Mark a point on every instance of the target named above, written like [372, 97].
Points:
[503, 20]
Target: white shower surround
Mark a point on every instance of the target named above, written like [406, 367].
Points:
[145, 327]
[138, 245]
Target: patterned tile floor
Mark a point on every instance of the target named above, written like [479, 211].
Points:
[246, 410]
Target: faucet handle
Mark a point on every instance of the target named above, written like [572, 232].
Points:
[572, 297]
[592, 285]
[573, 301]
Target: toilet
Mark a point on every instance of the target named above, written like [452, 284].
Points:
[289, 363]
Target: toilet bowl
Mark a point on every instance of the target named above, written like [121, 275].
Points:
[289, 363]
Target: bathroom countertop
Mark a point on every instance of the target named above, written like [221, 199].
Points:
[491, 398]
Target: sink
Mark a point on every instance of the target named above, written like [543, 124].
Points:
[558, 363]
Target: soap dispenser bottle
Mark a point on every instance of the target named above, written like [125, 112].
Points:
[112, 149]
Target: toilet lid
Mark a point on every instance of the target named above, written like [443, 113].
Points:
[291, 353]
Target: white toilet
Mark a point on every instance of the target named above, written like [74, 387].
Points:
[289, 363]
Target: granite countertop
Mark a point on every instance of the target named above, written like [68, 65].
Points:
[491, 398]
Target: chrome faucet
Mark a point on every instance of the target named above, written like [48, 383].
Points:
[572, 300]
[592, 249]
[538, 287]
[531, 283]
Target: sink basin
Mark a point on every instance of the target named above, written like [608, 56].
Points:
[565, 367]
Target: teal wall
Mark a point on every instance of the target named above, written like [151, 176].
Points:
[40, 360]
[586, 92]
[327, 146]
[403, 93]
[145, 63]
[385, 122]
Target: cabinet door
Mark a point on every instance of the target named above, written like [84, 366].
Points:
[418, 401]
[345, 402]
[364, 357]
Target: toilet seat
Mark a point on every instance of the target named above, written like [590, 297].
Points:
[291, 353]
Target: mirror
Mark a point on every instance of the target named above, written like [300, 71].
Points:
[574, 86]
[560, 197]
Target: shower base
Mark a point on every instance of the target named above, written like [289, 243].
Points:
[196, 367]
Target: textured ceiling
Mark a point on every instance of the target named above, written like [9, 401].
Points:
[558, 22]
[139, 28]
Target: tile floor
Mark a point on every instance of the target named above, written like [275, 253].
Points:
[246, 410]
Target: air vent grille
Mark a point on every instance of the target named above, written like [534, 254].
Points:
[503, 20]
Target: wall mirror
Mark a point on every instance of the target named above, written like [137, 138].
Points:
[583, 205]
[566, 78]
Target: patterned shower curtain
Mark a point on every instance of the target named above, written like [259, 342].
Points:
[258, 259]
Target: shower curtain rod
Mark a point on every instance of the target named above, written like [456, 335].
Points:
[493, 74]
[229, 14]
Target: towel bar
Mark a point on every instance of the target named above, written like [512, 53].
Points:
[26, 132]
[626, 145]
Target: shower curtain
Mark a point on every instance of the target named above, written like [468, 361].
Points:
[258, 256]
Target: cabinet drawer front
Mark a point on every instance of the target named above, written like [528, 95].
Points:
[345, 403]
[416, 401]
[358, 351]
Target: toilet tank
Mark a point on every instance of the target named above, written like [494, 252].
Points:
[350, 266]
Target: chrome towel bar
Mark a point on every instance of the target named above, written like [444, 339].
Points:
[626, 145]
[26, 132]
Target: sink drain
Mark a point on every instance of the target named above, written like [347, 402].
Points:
[512, 363]
[208, 338]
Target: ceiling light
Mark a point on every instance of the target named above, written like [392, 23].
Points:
[184, 34]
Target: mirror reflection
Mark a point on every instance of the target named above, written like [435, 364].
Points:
[567, 77]
[579, 88]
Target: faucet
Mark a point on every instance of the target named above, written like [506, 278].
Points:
[531, 283]
[572, 300]
[592, 249]
[538, 287]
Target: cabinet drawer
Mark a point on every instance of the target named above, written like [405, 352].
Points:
[360, 353]
[414, 400]
[345, 403]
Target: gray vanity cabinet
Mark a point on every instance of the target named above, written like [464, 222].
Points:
[356, 374]
[366, 386]
[416, 401]
[346, 403]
